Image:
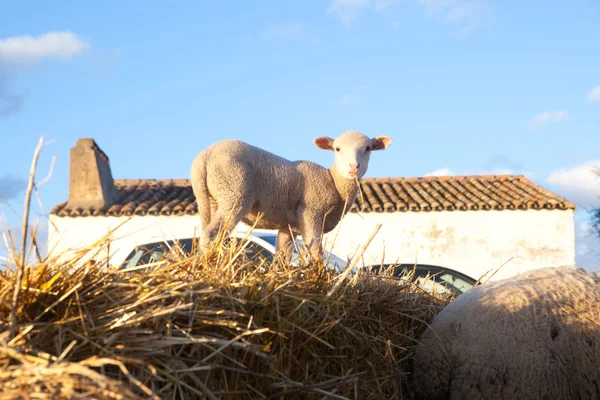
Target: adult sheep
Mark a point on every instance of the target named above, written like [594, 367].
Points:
[234, 181]
[533, 336]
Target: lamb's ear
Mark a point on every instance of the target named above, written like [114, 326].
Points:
[324, 143]
[380, 142]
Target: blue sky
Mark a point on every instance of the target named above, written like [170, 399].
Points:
[463, 87]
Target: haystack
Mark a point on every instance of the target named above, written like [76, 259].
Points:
[211, 325]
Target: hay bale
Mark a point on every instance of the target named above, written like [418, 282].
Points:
[208, 326]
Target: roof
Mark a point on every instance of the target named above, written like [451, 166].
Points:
[445, 193]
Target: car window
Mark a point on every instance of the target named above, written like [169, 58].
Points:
[456, 281]
[445, 278]
[428, 277]
[148, 253]
[444, 282]
[269, 238]
[133, 259]
[156, 255]
[254, 251]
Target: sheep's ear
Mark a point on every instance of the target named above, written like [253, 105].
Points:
[324, 143]
[380, 142]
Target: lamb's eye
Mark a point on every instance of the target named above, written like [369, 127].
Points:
[368, 148]
[337, 149]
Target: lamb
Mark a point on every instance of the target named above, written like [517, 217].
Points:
[532, 336]
[234, 181]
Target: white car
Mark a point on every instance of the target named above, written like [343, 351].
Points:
[258, 244]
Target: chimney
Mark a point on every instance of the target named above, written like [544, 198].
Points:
[91, 183]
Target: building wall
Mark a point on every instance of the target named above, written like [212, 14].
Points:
[67, 235]
[472, 242]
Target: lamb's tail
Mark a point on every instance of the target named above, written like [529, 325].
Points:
[198, 177]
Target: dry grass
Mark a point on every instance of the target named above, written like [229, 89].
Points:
[207, 326]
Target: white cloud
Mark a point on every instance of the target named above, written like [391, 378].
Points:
[348, 10]
[547, 118]
[19, 51]
[495, 171]
[580, 184]
[441, 172]
[29, 49]
[594, 94]
[468, 14]
[284, 32]
[354, 96]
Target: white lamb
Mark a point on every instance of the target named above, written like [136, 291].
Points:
[233, 178]
[533, 336]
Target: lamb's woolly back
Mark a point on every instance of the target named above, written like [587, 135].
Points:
[533, 336]
[234, 178]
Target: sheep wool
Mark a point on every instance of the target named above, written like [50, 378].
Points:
[532, 336]
[234, 181]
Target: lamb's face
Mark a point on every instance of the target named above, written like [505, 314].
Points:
[352, 151]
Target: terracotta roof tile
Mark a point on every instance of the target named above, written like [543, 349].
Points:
[445, 193]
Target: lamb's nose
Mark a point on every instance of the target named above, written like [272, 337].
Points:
[353, 165]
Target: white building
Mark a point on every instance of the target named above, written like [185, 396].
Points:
[471, 224]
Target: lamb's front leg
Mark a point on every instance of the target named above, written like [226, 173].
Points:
[285, 242]
[311, 229]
